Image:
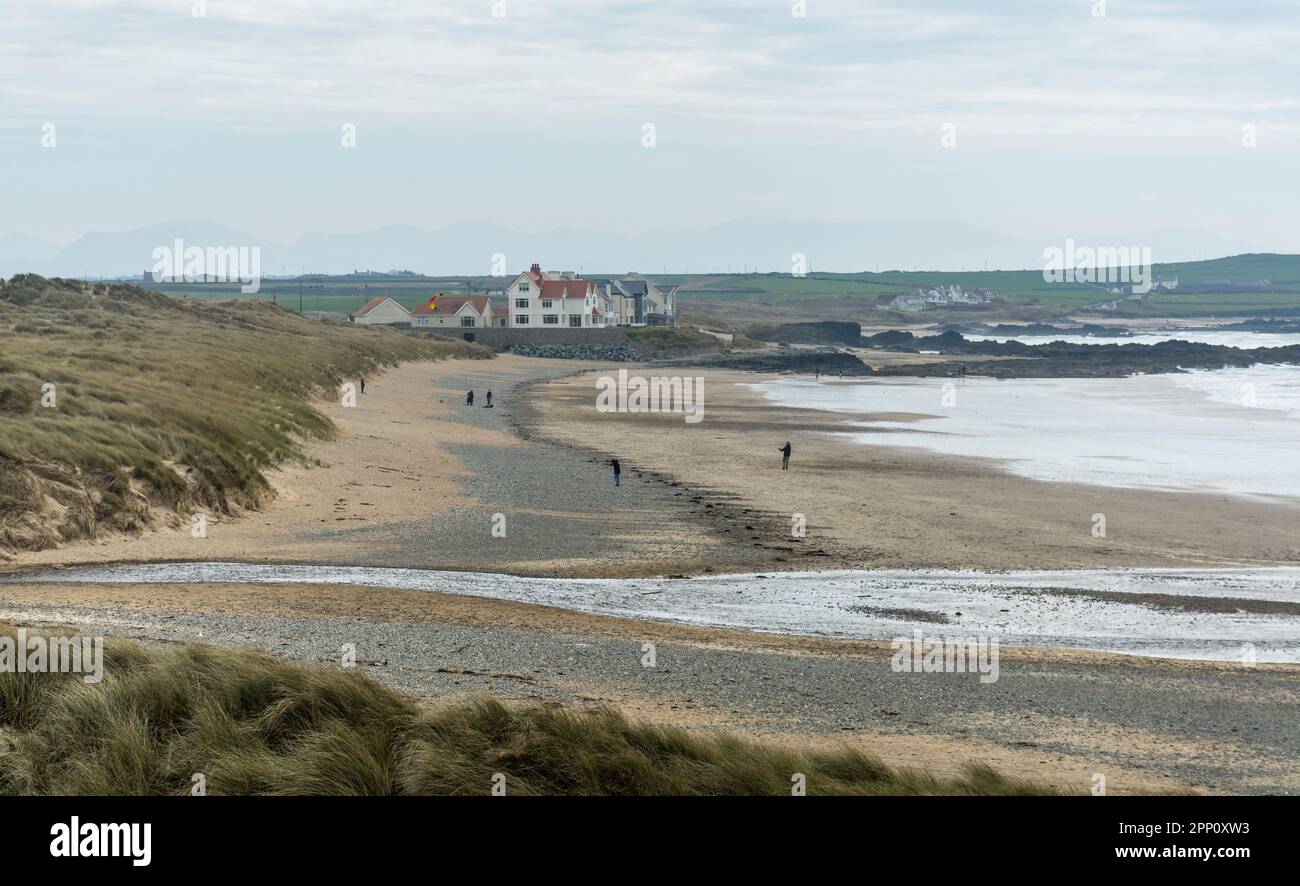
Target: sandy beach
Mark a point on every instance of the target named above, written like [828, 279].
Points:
[878, 507]
[415, 478]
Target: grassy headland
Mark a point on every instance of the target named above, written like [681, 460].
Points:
[252, 724]
[119, 405]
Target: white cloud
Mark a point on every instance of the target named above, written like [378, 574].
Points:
[1009, 67]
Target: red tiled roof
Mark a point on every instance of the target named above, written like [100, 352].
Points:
[450, 304]
[371, 305]
[559, 288]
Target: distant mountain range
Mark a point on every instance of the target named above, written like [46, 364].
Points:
[763, 244]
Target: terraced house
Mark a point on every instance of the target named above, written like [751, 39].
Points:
[640, 302]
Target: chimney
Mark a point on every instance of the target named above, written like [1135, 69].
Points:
[535, 269]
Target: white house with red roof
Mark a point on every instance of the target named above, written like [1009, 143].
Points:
[538, 300]
[381, 311]
[455, 312]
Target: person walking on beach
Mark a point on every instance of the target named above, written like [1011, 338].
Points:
[469, 398]
[618, 469]
[488, 405]
[363, 384]
[785, 456]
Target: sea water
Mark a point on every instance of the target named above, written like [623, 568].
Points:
[1232, 431]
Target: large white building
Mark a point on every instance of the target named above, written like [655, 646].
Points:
[538, 300]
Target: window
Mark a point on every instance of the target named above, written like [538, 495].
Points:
[521, 304]
[521, 319]
[575, 320]
[523, 287]
[551, 319]
[546, 303]
[466, 321]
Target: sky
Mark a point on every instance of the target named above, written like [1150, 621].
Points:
[1020, 117]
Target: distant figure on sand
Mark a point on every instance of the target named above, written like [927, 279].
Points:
[618, 469]
[785, 456]
[363, 385]
[488, 404]
[469, 398]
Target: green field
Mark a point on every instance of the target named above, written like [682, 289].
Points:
[1282, 273]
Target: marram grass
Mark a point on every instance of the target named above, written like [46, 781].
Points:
[160, 403]
[253, 724]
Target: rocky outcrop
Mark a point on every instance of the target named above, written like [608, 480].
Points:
[1062, 360]
[803, 360]
[825, 332]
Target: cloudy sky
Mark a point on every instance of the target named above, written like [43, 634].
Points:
[533, 114]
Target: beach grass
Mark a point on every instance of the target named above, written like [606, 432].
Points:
[117, 403]
[165, 719]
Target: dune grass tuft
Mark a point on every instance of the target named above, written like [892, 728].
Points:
[253, 724]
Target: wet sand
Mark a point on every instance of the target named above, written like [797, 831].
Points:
[879, 507]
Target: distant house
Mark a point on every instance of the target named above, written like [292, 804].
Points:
[457, 312]
[381, 311]
[636, 301]
[912, 301]
[939, 296]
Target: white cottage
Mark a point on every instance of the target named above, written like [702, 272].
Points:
[381, 311]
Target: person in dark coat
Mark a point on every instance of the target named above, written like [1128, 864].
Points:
[785, 456]
[363, 384]
[488, 405]
[618, 469]
[469, 398]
